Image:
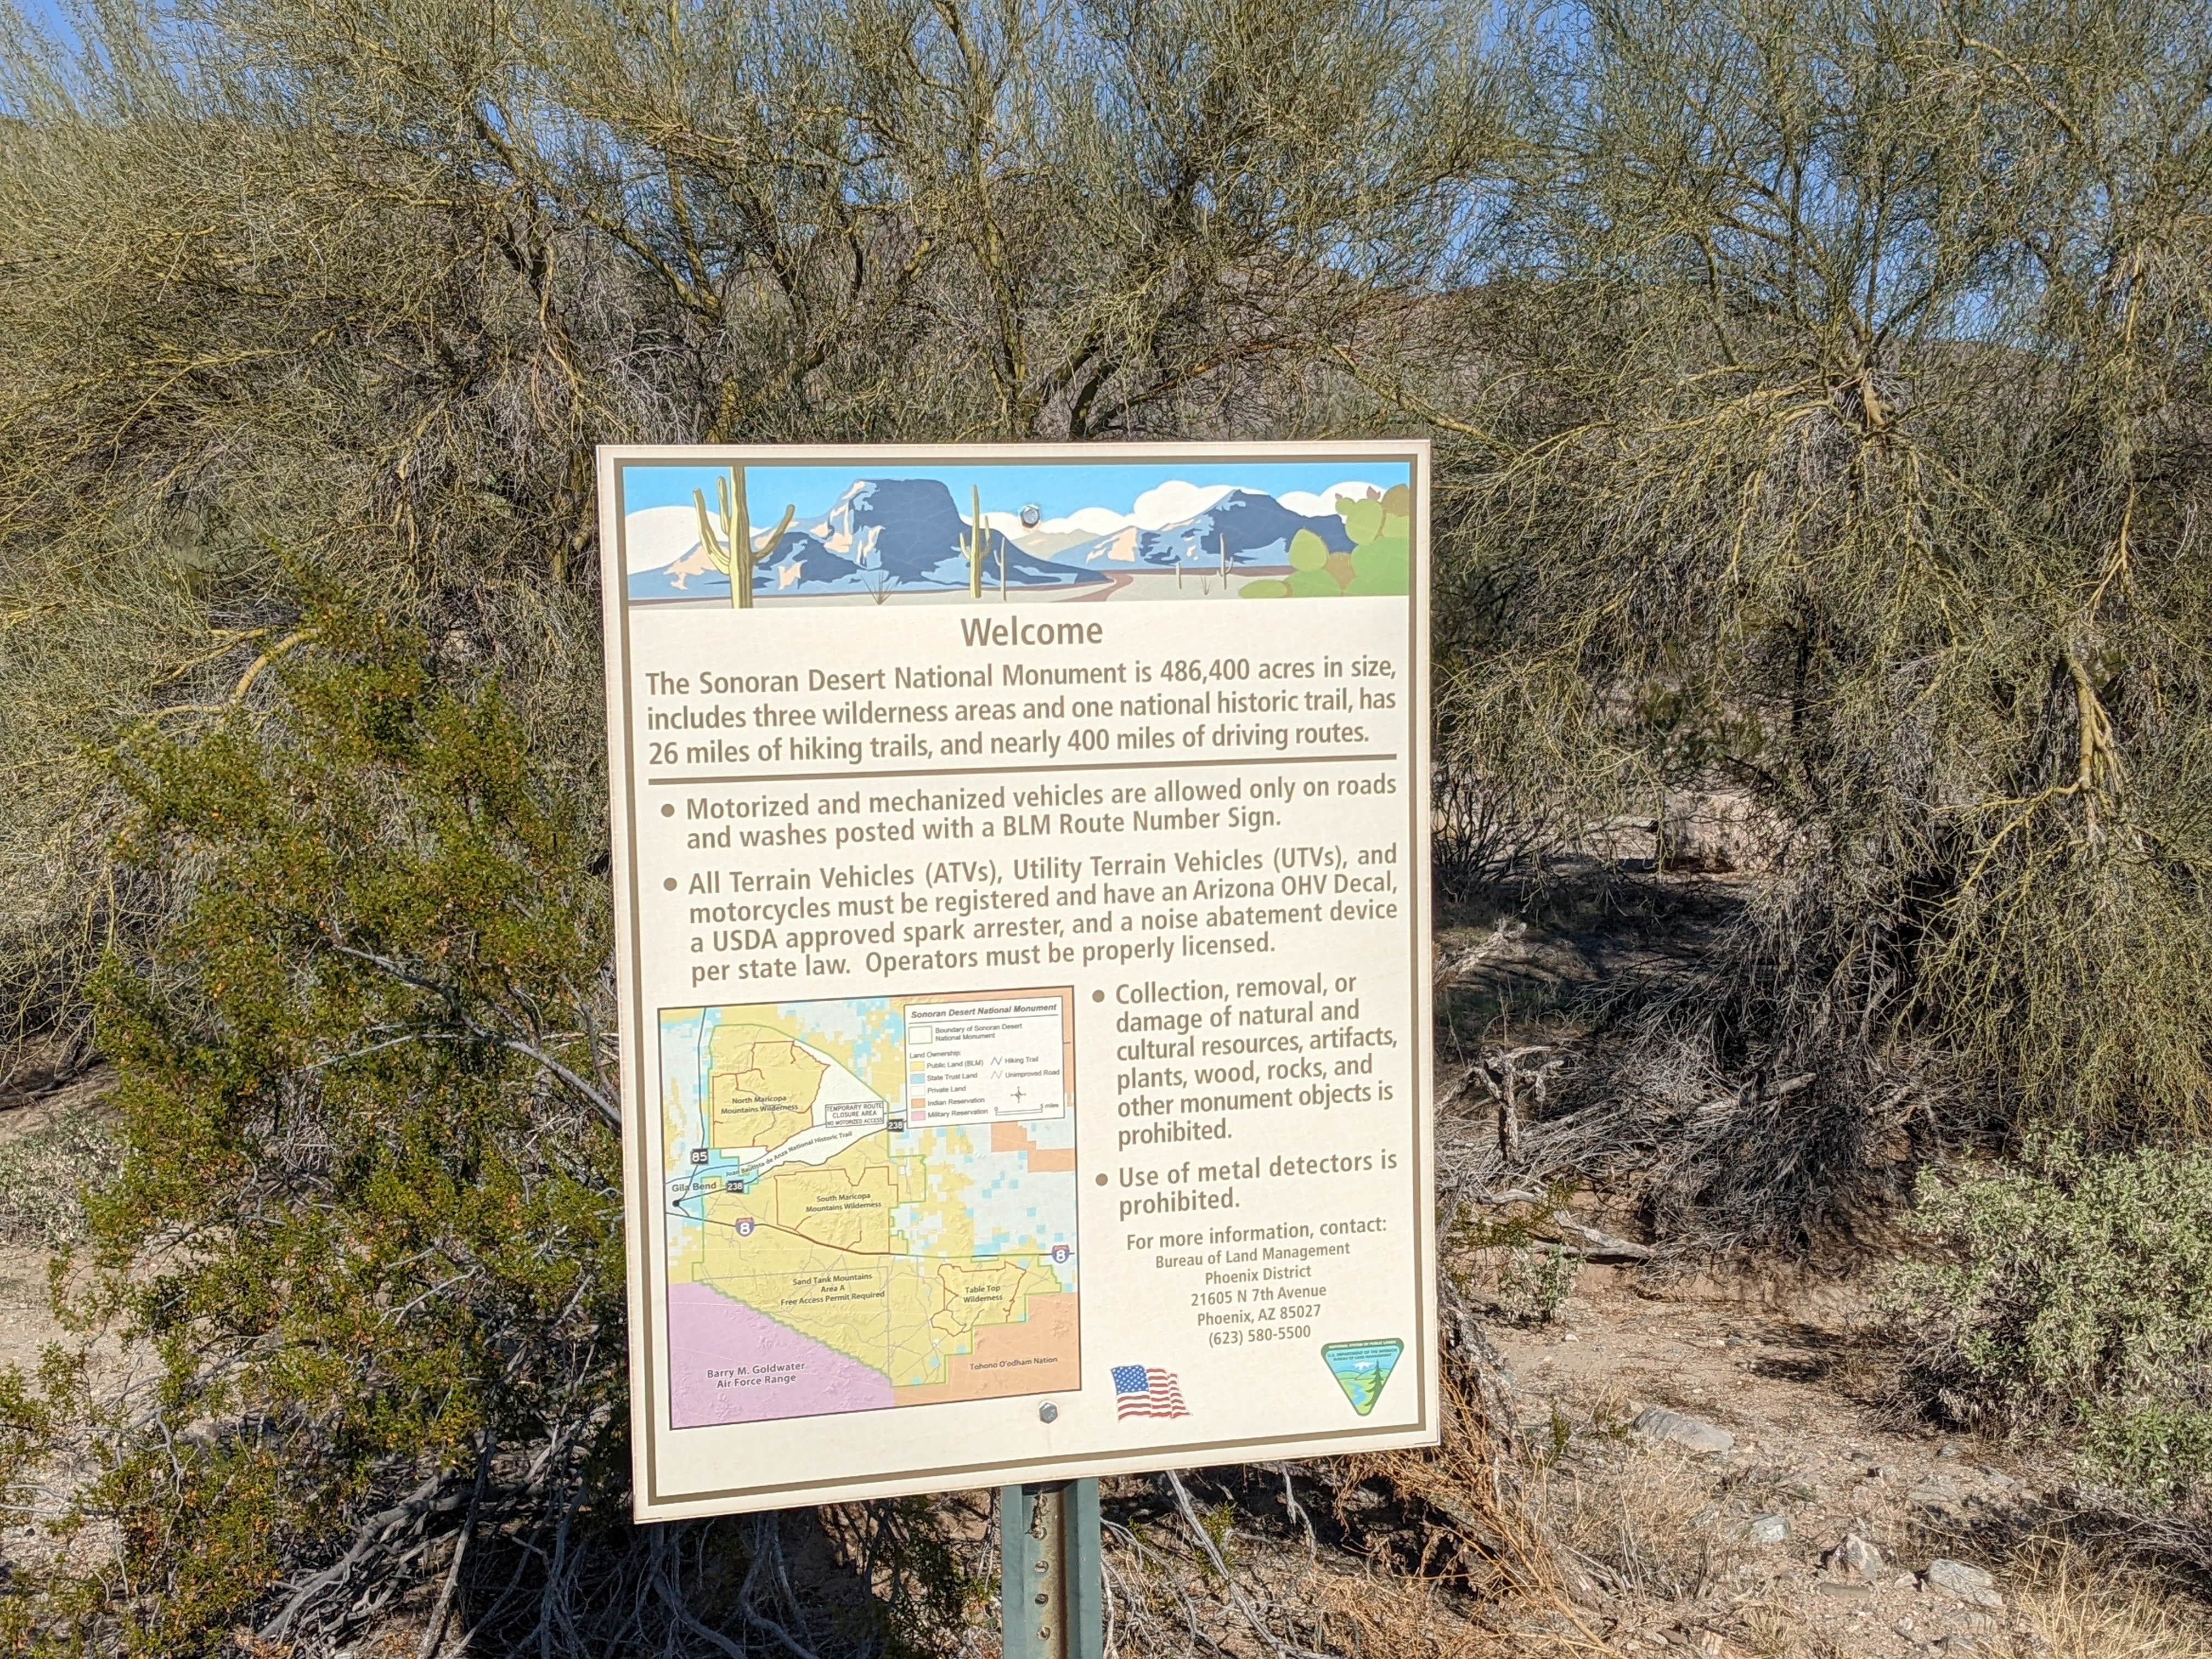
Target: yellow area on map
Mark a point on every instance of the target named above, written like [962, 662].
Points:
[763, 1087]
[912, 1175]
[839, 1204]
[979, 1293]
[871, 1053]
[821, 1290]
[823, 1259]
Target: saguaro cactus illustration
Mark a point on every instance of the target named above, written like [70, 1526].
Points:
[722, 533]
[975, 546]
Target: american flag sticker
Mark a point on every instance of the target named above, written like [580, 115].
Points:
[1147, 1391]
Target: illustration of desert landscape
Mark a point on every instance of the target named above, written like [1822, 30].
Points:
[831, 533]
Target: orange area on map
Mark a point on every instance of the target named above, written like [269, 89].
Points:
[1012, 1138]
[1038, 1356]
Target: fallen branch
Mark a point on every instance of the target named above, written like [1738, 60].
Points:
[1504, 932]
[435, 1637]
[1501, 1076]
[414, 1508]
[1238, 1599]
[1753, 1091]
[1596, 1244]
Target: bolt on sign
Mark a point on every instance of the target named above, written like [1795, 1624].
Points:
[1021, 868]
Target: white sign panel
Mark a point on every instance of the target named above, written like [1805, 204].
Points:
[1021, 874]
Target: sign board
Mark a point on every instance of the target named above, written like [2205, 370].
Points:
[1020, 865]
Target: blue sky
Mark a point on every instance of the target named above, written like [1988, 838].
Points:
[1056, 490]
[48, 17]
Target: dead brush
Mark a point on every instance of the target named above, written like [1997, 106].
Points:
[1160, 1605]
[1468, 1493]
[1641, 1523]
[2070, 1604]
[1770, 1629]
[1386, 1616]
[1485, 1527]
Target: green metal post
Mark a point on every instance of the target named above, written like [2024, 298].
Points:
[1051, 1588]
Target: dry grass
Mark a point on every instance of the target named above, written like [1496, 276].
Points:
[1631, 1520]
[1441, 1553]
[2072, 1606]
[1771, 1630]
[1647, 1521]
[1287, 1601]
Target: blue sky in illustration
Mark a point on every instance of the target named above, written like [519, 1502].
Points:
[1057, 491]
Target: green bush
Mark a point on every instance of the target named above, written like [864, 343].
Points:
[359, 1247]
[347, 1305]
[1534, 1281]
[2070, 1298]
[1532, 1276]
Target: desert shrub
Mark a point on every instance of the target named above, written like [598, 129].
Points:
[348, 1312]
[2071, 1296]
[1534, 1281]
[43, 1173]
[361, 1240]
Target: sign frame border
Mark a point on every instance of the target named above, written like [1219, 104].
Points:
[650, 1501]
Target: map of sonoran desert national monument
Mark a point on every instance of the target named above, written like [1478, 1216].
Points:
[870, 1203]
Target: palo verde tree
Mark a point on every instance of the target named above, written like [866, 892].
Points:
[1831, 427]
[367, 283]
[312, 312]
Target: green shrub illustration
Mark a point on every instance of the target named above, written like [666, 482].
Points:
[1380, 563]
[1362, 521]
[1315, 572]
[1381, 538]
[722, 533]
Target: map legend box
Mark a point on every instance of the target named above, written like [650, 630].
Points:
[988, 1059]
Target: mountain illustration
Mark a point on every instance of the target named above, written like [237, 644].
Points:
[884, 535]
[1254, 529]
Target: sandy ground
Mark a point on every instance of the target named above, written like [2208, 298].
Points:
[26, 1322]
[1784, 1369]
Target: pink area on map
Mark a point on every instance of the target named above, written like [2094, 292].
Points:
[731, 1363]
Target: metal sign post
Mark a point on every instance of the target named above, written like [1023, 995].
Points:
[1051, 1585]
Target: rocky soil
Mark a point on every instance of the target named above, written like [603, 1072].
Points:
[1725, 1463]
[1815, 1522]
